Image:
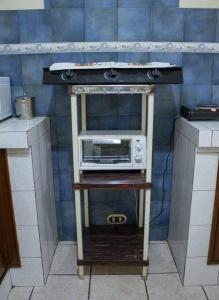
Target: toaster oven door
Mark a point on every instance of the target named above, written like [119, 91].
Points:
[106, 151]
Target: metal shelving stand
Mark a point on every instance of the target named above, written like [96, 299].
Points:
[147, 92]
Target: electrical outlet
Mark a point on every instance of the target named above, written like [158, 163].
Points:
[116, 219]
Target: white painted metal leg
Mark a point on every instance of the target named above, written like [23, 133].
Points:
[74, 115]
[150, 120]
[83, 112]
[84, 127]
[143, 129]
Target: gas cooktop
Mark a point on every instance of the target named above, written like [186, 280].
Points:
[112, 73]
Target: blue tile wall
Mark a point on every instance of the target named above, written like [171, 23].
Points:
[35, 26]
[10, 65]
[200, 25]
[101, 24]
[166, 23]
[66, 3]
[138, 16]
[63, 19]
[100, 3]
[32, 68]
[111, 20]
[9, 27]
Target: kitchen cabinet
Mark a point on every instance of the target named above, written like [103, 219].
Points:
[194, 203]
[23, 4]
[30, 169]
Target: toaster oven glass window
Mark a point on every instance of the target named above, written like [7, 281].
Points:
[107, 152]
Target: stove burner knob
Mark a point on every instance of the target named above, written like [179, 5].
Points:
[69, 74]
[138, 159]
[110, 74]
[138, 147]
[155, 73]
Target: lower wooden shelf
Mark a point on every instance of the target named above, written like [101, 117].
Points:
[113, 245]
[112, 180]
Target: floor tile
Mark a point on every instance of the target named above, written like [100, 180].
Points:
[212, 292]
[68, 243]
[168, 287]
[20, 293]
[65, 260]
[115, 287]
[160, 259]
[63, 288]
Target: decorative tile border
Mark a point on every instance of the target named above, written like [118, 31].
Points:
[38, 48]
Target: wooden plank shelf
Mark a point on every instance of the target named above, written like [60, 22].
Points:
[112, 180]
[113, 245]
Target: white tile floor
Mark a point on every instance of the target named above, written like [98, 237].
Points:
[163, 281]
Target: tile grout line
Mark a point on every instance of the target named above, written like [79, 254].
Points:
[164, 273]
[89, 288]
[31, 294]
[146, 289]
[63, 274]
[205, 292]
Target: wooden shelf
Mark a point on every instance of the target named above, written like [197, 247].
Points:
[112, 180]
[113, 245]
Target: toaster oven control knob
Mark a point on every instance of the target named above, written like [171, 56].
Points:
[138, 159]
[138, 147]
[155, 73]
[111, 74]
[67, 75]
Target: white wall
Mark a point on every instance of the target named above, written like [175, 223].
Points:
[21, 4]
[199, 3]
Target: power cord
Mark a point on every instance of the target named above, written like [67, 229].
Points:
[164, 173]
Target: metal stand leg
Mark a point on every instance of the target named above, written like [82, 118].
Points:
[143, 129]
[150, 114]
[74, 115]
[84, 127]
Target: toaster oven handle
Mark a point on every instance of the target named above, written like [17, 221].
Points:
[106, 141]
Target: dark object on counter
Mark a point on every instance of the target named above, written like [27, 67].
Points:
[201, 113]
[114, 76]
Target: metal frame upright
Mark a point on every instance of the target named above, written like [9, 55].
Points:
[147, 108]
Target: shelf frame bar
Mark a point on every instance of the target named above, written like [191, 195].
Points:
[74, 115]
[150, 121]
[143, 129]
[84, 127]
[146, 91]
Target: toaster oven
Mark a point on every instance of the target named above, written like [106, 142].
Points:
[112, 150]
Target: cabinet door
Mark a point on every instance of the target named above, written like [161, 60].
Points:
[213, 255]
[3, 267]
[9, 251]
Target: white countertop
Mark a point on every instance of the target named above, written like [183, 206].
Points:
[15, 133]
[200, 133]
